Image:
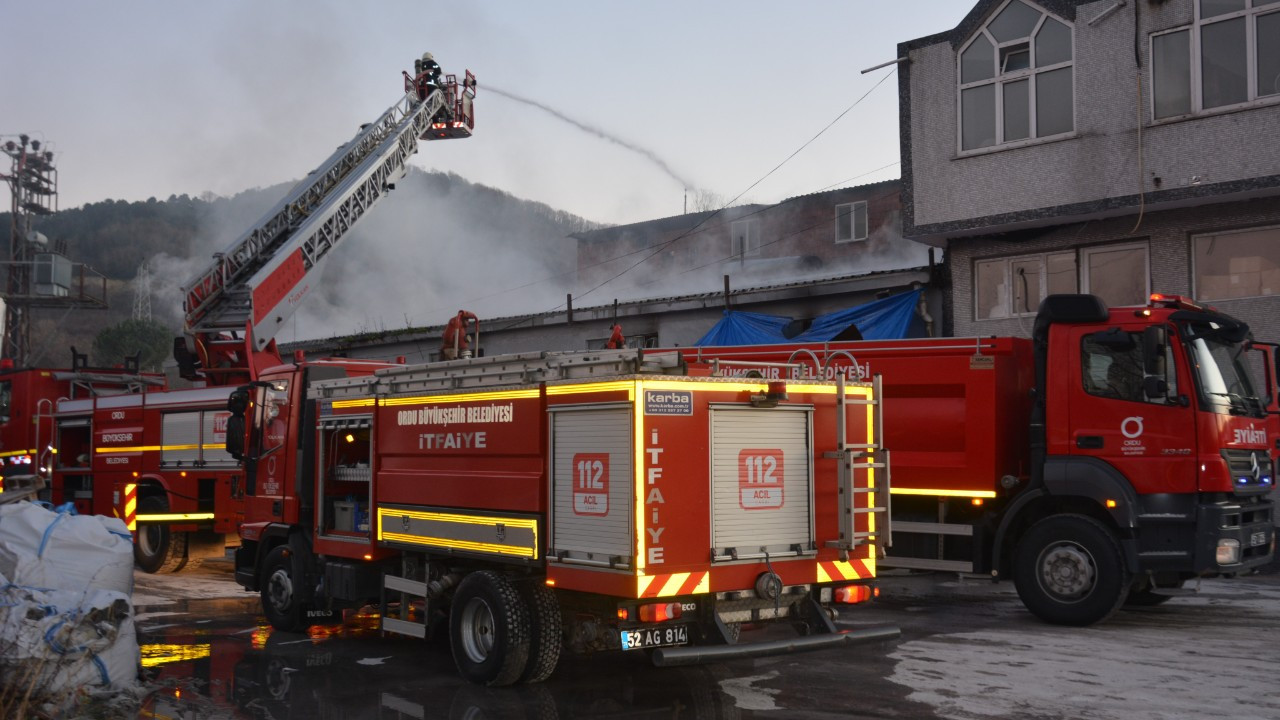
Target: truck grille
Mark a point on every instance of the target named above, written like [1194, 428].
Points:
[1251, 470]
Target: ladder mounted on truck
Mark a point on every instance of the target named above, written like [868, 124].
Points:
[872, 457]
[503, 370]
[237, 305]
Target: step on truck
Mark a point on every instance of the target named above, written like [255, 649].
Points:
[158, 459]
[1112, 457]
[593, 501]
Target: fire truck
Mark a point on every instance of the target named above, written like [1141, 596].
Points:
[606, 500]
[1107, 460]
[27, 397]
[158, 459]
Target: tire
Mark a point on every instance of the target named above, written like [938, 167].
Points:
[156, 548]
[1069, 571]
[279, 597]
[546, 631]
[489, 630]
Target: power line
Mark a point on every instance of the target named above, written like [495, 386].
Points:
[698, 227]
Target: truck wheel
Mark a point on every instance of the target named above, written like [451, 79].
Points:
[156, 549]
[545, 631]
[489, 630]
[279, 594]
[1068, 571]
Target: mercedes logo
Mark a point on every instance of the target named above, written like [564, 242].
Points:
[1256, 471]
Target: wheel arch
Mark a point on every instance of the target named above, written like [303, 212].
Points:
[1071, 485]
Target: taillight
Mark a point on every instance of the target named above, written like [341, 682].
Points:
[657, 612]
[852, 594]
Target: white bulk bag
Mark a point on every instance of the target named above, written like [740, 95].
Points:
[60, 550]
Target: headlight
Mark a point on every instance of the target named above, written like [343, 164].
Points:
[1228, 552]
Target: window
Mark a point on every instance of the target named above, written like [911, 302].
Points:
[851, 222]
[1229, 56]
[1240, 263]
[6, 399]
[1011, 287]
[746, 238]
[1116, 273]
[1112, 366]
[1016, 78]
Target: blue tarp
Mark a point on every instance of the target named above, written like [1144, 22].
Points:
[886, 319]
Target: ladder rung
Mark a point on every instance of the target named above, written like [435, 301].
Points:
[864, 511]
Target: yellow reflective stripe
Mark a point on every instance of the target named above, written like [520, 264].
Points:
[672, 587]
[11, 453]
[515, 550]
[174, 517]
[366, 402]
[637, 464]
[642, 583]
[161, 448]
[944, 493]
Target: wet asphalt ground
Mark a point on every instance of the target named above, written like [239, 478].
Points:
[968, 650]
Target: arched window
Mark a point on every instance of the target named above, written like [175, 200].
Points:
[1016, 78]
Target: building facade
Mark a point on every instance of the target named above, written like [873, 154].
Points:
[1118, 148]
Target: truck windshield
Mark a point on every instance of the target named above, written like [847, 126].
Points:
[1225, 381]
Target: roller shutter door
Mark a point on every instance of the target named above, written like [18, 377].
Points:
[180, 438]
[761, 480]
[592, 475]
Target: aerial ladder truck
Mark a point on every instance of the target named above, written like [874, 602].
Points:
[158, 459]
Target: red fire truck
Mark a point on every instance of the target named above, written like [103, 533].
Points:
[158, 459]
[1107, 460]
[27, 397]
[601, 500]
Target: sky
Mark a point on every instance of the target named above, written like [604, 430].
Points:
[150, 98]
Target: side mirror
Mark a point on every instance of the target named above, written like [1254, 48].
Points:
[237, 404]
[1155, 340]
[235, 436]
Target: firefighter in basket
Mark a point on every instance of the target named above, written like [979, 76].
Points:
[455, 336]
[617, 341]
[426, 75]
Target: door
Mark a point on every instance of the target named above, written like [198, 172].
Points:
[1114, 416]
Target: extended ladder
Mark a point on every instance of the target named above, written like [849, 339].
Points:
[261, 278]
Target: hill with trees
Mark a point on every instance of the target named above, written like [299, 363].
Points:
[435, 244]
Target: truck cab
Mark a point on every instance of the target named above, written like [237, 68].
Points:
[1155, 462]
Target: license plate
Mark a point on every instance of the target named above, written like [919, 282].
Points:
[655, 637]
[1258, 538]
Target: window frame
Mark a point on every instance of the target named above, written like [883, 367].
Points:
[1251, 13]
[1007, 262]
[853, 225]
[1000, 79]
[1084, 282]
[1195, 260]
